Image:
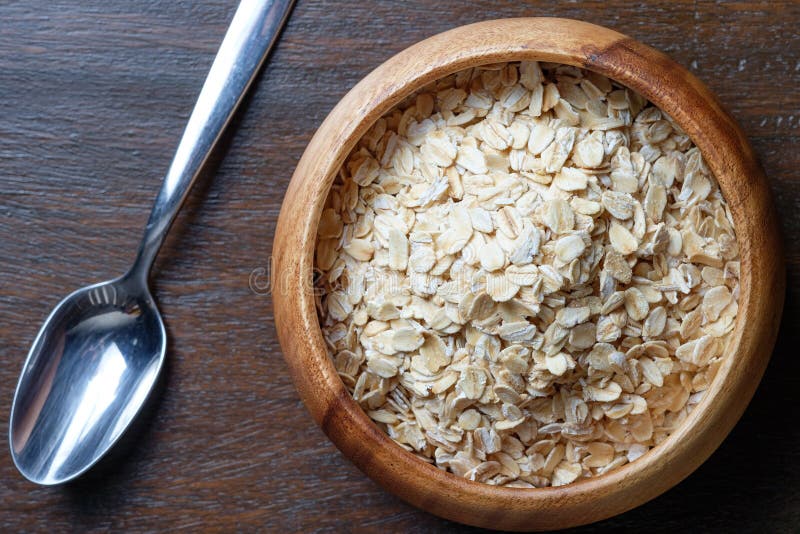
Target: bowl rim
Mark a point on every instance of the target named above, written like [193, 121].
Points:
[728, 155]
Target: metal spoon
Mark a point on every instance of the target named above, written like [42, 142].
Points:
[98, 355]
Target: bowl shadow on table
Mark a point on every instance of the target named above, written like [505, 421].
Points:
[750, 481]
[739, 484]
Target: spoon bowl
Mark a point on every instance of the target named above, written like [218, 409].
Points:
[87, 375]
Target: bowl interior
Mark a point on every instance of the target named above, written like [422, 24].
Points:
[718, 380]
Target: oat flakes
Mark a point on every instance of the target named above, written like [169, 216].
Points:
[529, 275]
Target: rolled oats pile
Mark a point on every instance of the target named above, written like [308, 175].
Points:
[528, 274]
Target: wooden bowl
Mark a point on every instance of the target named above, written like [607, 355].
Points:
[727, 153]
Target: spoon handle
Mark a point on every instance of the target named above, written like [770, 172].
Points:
[252, 32]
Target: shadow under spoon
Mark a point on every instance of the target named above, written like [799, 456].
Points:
[98, 354]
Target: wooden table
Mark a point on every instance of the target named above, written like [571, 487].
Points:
[93, 98]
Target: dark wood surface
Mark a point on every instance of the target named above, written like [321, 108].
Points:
[93, 98]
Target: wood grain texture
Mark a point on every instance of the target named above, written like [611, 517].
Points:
[94, 96]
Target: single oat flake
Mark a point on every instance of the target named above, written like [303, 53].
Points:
[529, 275]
